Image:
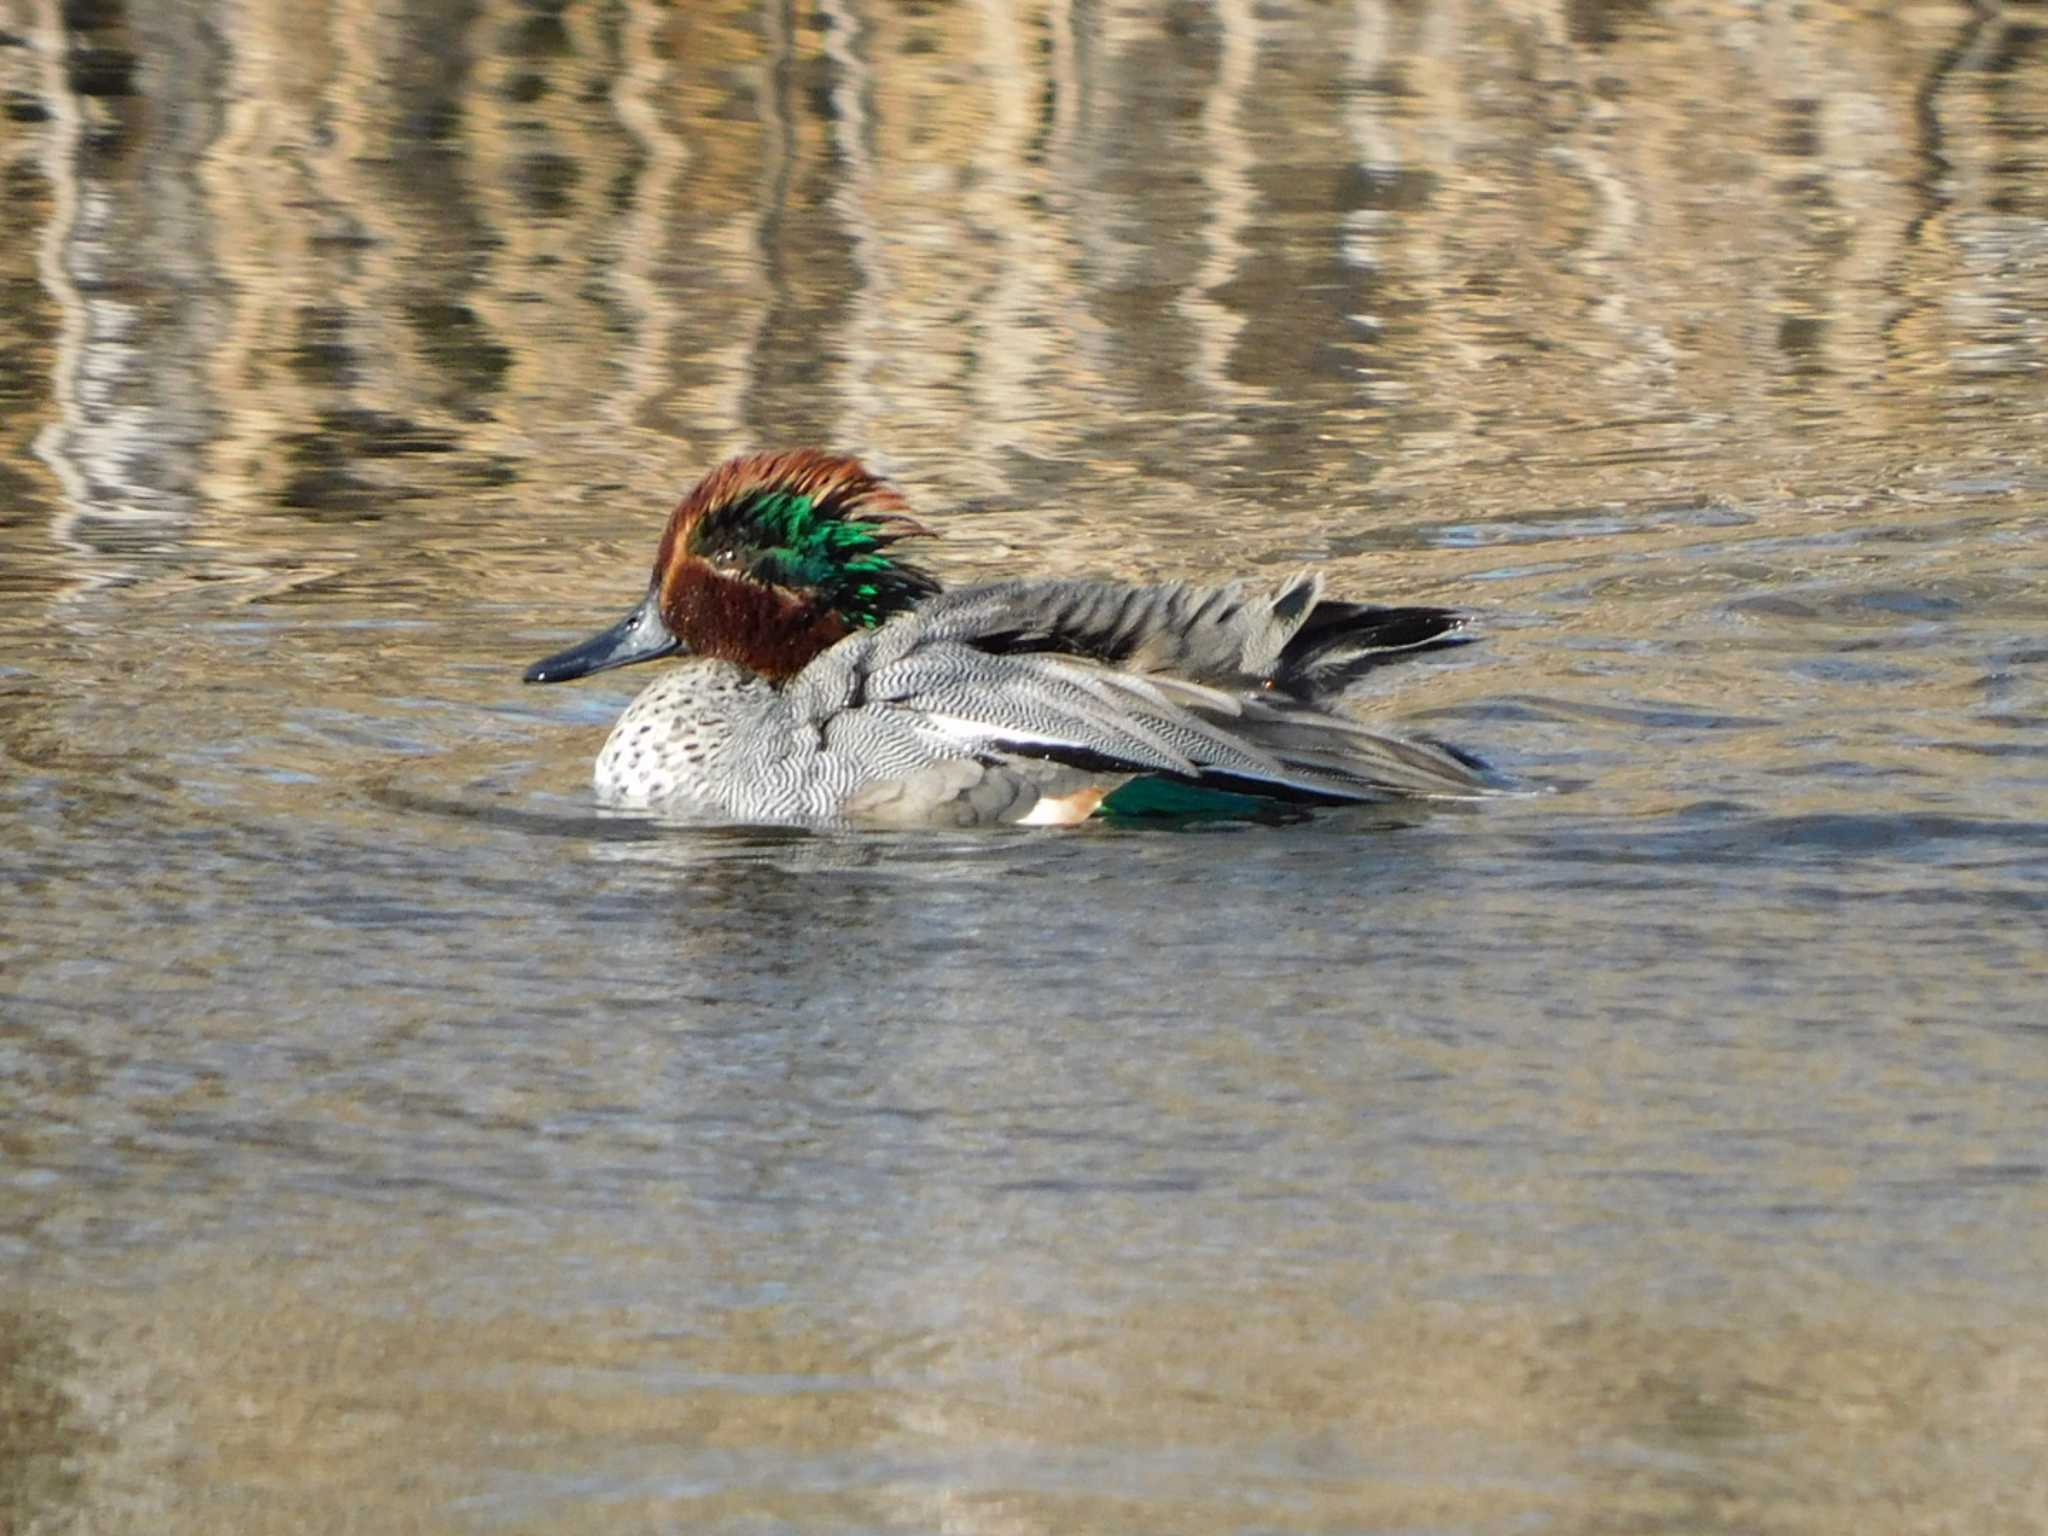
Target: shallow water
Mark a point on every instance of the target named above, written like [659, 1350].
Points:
[391, 1141]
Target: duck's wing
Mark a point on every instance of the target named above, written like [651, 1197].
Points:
[1111, 682]
[1290, 639]
[937, 733]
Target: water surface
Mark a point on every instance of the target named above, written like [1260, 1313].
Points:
[390, 1141]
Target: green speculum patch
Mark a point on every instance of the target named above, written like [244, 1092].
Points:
[1159, 797]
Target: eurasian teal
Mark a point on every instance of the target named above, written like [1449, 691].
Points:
[831, 681]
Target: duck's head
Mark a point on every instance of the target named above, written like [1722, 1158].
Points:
[769, 560]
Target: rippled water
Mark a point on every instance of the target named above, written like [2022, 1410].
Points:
[390, 1142]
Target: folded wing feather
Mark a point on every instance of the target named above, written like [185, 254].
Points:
[1196, 684]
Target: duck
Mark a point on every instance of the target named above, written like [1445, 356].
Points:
[826, 679]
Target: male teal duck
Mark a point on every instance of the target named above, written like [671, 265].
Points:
[830, 681]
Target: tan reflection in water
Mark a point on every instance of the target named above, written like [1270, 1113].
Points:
[414, 259]
[296, 1407]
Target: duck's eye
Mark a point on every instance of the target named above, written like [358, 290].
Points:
[726, 559]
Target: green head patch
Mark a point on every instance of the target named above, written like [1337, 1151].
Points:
[811, 524]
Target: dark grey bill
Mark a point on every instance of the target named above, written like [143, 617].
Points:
[639, 636]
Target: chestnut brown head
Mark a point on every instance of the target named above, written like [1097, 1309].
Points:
[768, 561]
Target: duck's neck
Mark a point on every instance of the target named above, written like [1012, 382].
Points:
[768, 630]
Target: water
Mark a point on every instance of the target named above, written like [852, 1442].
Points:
[391, 1141]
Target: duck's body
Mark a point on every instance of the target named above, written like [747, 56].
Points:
[1029, 702]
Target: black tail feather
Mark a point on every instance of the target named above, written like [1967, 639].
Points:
[1341, 641]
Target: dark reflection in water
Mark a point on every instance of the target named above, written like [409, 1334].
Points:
[384, 1128]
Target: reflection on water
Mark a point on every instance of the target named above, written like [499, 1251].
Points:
[1015, 1420]
[325, 264]
[385, 1129]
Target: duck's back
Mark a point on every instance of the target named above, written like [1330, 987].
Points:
[1292, 640]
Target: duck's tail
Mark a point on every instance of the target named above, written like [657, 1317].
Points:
[1339, 642]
